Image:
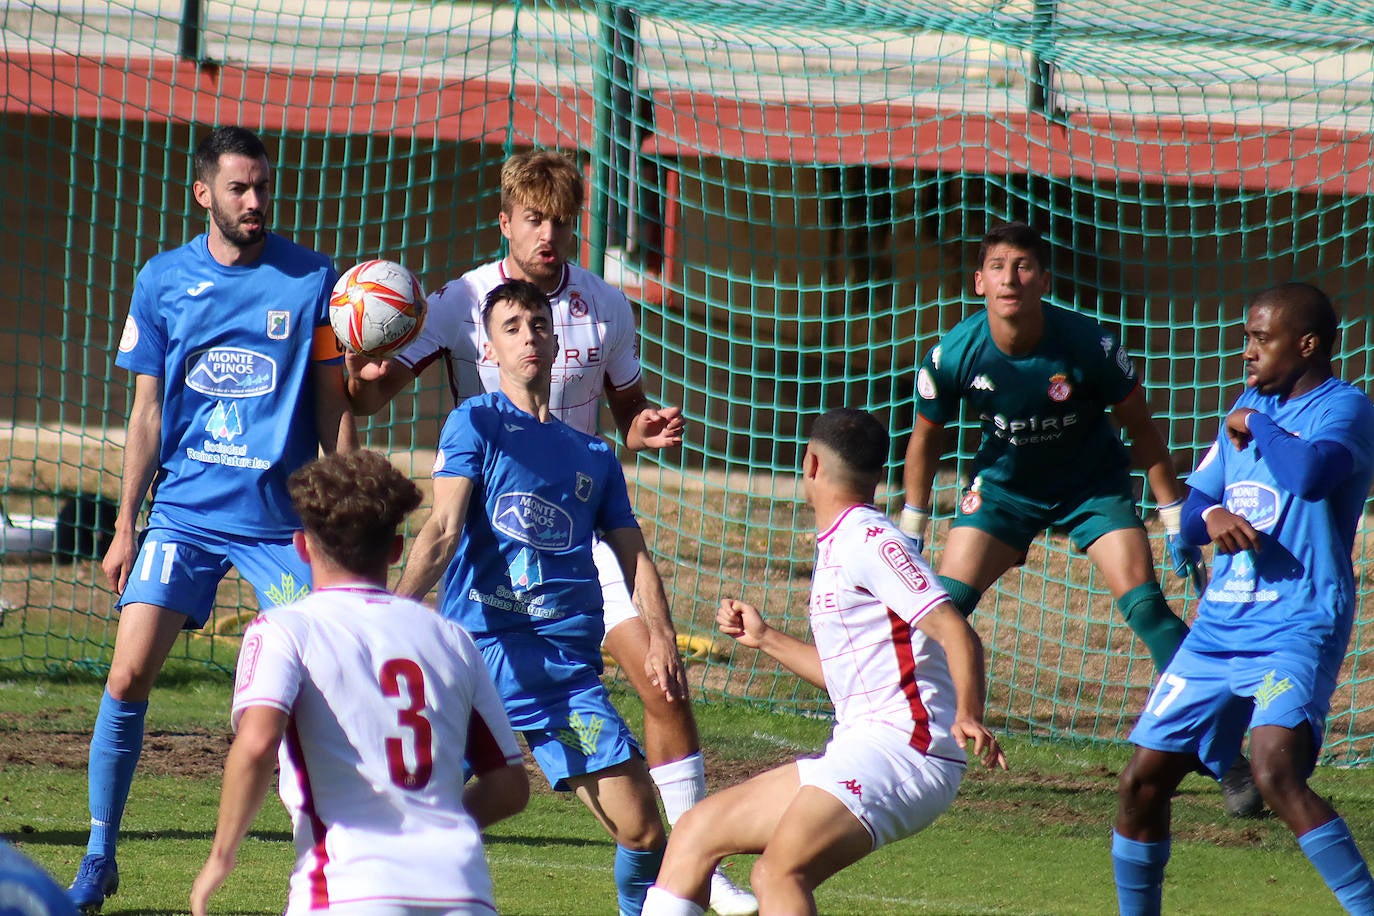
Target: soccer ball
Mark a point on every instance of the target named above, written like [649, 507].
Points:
[377, 308]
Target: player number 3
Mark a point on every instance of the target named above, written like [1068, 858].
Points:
[403, 679]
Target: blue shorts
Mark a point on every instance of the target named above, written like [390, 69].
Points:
[180, 568]
[591, 737]
[1204, 703]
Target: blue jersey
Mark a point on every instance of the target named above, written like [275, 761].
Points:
[233, 347]
[1298, 590]
[541, 491]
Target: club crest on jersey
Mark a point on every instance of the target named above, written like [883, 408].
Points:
[971, 503]
[533, 520]
[583, 488]
[1059, 387]
[278, 324]
[231, 372]
[577, 306]
[896, 557]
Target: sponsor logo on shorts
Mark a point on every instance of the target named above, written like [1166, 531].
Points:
[533, 520]
[1060, 389]
[1270, 690]
[231, 372]
[287, 591]
[582, 734]
[853, 787]
[278, 324]
[894, 554]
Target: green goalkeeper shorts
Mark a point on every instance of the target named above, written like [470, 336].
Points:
[1106, 506]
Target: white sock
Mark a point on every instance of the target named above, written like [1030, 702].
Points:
[681, 784]
[659, 902]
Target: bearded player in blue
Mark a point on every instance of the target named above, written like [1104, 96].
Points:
[1279, 496]
[237, 382]
[518, 498]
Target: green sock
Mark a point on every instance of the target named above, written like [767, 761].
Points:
[1150, 617]
[962, 596]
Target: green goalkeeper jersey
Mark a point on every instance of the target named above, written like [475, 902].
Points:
[1044, 415]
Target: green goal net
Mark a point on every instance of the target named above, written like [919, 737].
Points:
[792, 195]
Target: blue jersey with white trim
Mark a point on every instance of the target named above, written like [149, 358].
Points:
[1297, 592]
[541, 491]
[232, 346]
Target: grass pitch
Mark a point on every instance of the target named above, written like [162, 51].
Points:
[1032, 841]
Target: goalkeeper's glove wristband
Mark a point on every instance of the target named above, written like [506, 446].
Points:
[914, 521]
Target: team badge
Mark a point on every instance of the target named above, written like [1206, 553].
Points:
[278, 324]
[583, 489]
[129, 339]
[1059, 387]
[577, 306]
[970, 503]
[925, 385]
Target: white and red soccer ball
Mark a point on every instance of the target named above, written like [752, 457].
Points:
[377, 308]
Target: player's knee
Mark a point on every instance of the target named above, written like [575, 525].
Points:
[769, 877]
[962, 595]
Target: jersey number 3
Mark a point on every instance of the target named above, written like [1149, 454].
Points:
[402, 679]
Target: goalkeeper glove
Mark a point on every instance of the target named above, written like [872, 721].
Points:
[1185, 558]
[914, 521]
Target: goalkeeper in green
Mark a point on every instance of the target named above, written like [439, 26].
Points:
[1041, 380]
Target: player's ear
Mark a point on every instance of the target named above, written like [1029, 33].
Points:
[302, 548]
[811, 463]
[398, 547]
[201, 192]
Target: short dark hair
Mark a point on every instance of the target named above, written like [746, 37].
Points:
[1017, 235]
[857, 439]
[1306, 309]
[353, 503]
[226, 141]
[521, 292]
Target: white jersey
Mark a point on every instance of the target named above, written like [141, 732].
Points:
[385, 700]
[598, 344]
[869, 591]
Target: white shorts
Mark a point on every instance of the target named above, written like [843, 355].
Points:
[368, 908]
[893, 789]
[615, 596]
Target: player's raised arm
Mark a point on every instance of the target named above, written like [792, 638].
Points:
[641, 424]
[742, 622]
[663, 664]
[437, 541]
[964, 654]
[142, 444]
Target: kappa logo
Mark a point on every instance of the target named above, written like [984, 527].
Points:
[982, 383]
[853, 787]
[199, 288]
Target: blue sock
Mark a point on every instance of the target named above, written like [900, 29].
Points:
[1139, 871]
[635, 872]
[1332, 850]
[115, 746]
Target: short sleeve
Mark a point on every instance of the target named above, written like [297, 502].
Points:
[143, 343]
[937, 394]
[464, 442]
[891, 571]
[622, 344]
[1116, 369]
[615, 510]
[269, 668]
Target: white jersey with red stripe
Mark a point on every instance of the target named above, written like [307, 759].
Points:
[597, 342]
[869, 591]
[385, 699]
